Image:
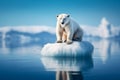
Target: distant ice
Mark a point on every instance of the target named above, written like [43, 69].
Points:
[29, 29]
[103, 30]
[75, 49]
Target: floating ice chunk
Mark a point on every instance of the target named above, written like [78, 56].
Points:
[75, 49]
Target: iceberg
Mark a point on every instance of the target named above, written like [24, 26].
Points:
[105, 30]
[75, 49]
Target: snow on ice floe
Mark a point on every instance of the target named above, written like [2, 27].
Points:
[75, 49]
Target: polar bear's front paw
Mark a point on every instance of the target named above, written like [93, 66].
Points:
[69, 42]
[59, 41]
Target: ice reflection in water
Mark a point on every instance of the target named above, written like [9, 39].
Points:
[104, 49]
[68, 68]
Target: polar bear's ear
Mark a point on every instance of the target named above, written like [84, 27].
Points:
[68, 15]
[57, 15]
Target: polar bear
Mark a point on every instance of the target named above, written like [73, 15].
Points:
[67, 30]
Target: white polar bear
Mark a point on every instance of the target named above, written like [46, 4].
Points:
[67, 30]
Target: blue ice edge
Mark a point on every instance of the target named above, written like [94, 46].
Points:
[76, 49]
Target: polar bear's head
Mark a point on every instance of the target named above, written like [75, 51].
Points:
[63, 19]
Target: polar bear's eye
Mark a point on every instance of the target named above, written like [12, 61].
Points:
[68, 15]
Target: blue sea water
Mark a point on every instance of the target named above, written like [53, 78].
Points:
[24, 62]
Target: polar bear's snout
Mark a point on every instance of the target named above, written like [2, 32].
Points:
[63, 21]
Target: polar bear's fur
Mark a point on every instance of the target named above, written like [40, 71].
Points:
[67, 29]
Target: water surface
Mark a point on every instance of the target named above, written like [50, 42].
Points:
[25, 63]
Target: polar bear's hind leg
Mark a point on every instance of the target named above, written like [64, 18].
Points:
[78, 36]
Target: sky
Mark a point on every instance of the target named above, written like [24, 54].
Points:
[44, 12]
